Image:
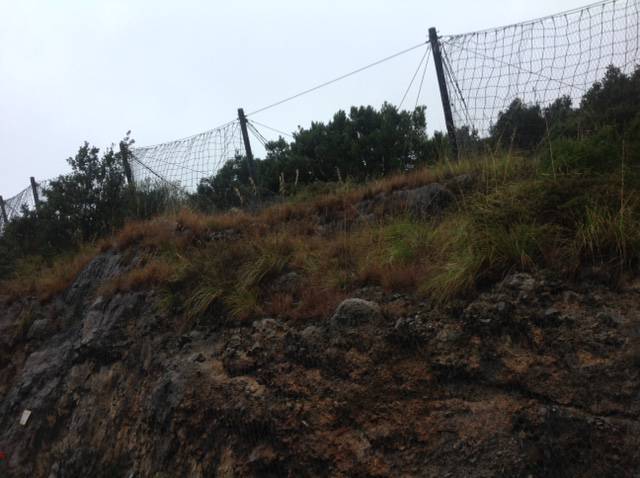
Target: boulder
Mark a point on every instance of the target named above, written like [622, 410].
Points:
[354, 312]
[312, 334]
[520, 281]
[267, 326]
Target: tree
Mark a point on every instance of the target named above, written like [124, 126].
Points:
[614, 101]
[520, 125]
[87, 203]
[229, 187]
[561, 119]
[91, 200]
[603, 133]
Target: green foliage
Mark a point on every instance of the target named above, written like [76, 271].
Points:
[563, 223]
[230, 187]
[561, 119]
[607, 148]
[599, 152]
[521, 126]
[150, 199]
[269, 259]
[614, 101]
[467, 140]
[406, 241]
[81, 206]
[364, 144]
[90, 202]
[611, 104]
[610, 236]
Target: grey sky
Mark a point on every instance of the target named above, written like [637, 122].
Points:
[76, 70]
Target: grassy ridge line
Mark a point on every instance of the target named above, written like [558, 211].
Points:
[517, 215]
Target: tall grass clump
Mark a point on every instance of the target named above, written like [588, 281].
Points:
[228, 278]
[610, 237]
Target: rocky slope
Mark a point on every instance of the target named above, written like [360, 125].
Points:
[534, 377]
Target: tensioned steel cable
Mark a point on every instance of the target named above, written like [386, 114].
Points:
[257, 134]
[413, 78]
[424, 74]
[341, 77]
[275, 130]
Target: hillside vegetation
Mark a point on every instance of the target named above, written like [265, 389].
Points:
[563, 198]
[506, 213]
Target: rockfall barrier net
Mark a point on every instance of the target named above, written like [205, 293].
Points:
[537, 61]
[14, 206]
[183, 163]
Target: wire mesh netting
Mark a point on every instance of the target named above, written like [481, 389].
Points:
[176, 166]
[183, 163]
[14, 206]
[537, 61]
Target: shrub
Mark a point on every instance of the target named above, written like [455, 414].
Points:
[520, 125]
[594, 154]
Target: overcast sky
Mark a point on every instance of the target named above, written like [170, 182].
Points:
[76, 70]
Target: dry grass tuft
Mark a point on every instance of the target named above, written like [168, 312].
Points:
[317, 302]
[150, 233]
[280, 305]
[35, 279]
[152, 274]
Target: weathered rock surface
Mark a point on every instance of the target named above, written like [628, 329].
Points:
[532, 378]
[353, 312]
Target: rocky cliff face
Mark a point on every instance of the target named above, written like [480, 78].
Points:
[531, 378]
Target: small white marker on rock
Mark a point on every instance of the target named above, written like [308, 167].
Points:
[25, 417]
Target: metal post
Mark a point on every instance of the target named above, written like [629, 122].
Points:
[5, 220]
[444, 93]
[124, 154]
[247, 144]
[34, 189]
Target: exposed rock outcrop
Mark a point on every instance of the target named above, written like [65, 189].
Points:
[532, 378]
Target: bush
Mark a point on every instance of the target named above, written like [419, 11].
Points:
[90, 202]
[600, 152]
[364, 144]
[521, 126]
